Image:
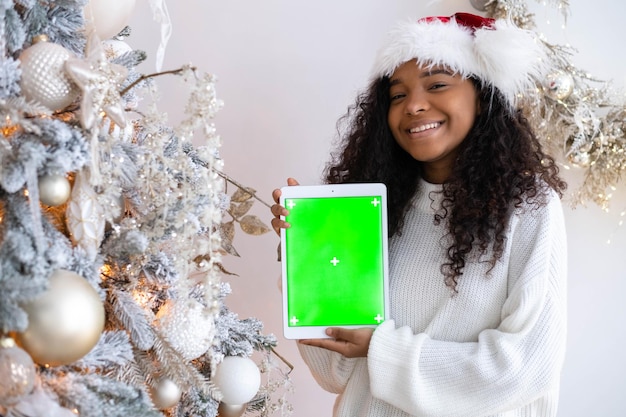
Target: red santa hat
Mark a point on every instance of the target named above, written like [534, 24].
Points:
[498, 52]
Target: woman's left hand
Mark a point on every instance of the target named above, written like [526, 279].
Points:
[351, 343]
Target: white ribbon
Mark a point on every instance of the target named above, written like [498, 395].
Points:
[162, 16]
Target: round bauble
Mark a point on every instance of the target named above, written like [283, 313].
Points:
[44, 79]
[187, 326]
[165, 394]
[559, 85]
[54, 190]
[107, 17]
[238, 379]
[65, 322]
[228, 410]
[580, 159]
[17, 373]
[480, 5]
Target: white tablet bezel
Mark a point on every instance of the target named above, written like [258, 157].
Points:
[332, 191]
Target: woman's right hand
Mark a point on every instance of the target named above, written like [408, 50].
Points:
[278, 210]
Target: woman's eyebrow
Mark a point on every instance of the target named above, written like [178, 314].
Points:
[424, 74]
[431, 72]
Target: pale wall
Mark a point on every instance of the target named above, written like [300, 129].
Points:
[287, 69]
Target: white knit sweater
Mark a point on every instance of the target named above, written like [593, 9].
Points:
[494, 349]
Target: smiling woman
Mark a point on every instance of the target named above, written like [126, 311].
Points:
[477, 251]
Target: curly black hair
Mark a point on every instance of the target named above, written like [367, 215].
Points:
[500, 165]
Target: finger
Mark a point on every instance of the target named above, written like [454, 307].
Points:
[278, 210]
[278, 224]
[339, 333]
[276, 195]
[329, 344]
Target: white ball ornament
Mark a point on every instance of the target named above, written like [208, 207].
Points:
[187, 326]
[238, 379]
[44, 79]
[165, 394]
[54, 190]
[108, 17]
[17, 373]
[65, 322]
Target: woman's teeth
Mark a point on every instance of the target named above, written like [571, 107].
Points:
[424, 127]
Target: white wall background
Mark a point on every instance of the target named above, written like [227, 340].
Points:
[287, 70]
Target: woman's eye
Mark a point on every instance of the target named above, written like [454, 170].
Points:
[397, 96]
[436, 86]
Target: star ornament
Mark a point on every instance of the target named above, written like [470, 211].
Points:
[100, 82]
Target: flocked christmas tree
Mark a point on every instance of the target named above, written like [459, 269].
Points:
[112, 231]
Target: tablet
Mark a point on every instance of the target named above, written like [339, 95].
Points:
[334, 258]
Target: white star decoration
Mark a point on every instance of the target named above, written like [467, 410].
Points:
[100, 81]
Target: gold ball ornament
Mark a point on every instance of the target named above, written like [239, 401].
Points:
[559, 85]
[65, 322]
[165, 394]
[44, 79]
[17, 373]
[229, 410]
[54, 190]
[107, 18]
[238, 379]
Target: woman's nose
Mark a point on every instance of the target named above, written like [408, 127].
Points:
[415, 103]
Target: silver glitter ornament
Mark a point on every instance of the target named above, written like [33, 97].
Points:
[44, 79]
[559, 85]
[17, 372]
[54, 190]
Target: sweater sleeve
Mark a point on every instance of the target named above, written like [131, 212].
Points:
[330, 369]
[506, 367]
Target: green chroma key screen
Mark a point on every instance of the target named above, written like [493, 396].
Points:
[335, 261]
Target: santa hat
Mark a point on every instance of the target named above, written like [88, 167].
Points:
[497, 52]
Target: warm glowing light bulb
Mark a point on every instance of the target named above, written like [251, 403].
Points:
[141, 297]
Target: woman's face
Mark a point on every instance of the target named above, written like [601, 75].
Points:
[430, 114]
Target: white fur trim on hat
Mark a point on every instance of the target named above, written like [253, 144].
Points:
[505, 56]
